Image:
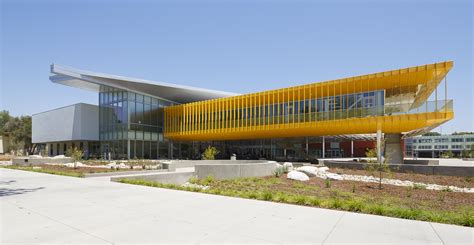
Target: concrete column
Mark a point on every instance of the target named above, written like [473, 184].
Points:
[128, 149]
[324, 148]
[307, 148]
[170, 150]
[379, 146]
[393, 148]
[352, 148]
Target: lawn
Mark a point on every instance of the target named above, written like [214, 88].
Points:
[414, 203]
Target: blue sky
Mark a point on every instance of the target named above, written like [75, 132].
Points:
[236, 46]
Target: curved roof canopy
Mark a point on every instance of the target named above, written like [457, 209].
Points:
[93, 81]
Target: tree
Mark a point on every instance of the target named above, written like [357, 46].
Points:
[76, 154]
[447, 154]
[18, 129]
[465, 153]
[371, 154]
[432, 134]
[375, 168]
[462, 133]
[4, 118]
[210, 153]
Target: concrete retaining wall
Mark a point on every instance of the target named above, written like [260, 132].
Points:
[422, 162]
[177, 178]
[35, 161]
[172, 165]
[121, 173]
[411, 168]
[229, 170]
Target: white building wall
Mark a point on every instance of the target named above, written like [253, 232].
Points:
[77, 122]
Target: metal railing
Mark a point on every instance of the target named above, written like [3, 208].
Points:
[288, 118]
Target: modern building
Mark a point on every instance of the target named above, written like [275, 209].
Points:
[68, 127]
[436, 146]
[145, 119]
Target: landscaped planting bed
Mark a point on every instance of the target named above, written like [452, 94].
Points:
[465, 182]
[5, 157]
[404, 202]
[67, 171]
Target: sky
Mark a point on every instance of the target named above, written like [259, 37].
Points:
[235, 46]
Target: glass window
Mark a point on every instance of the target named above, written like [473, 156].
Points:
[139, 149]
[139, 113]
[146, 149]
[154, 150]
[163, 150]
[132, 148]
[131, 96]
[139, 98]
[147, 114]
[147, 99]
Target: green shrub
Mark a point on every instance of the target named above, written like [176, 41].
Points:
[417, 186]
[278, 171]
[327, 183]
[280, 197]
[354, 205]
[448, 154]
[299, 185]
[336, 203]
[371, 154]
[313, 201]
[267, 195]
[208, 180]
[447, 189]
[210, 153]
[409, 191]
[406, 213]
[76, 154]
[466, 219]
[301, 200]
[252, 195]
[377, 209]
[193, 180]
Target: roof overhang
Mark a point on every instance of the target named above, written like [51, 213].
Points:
[93, 81]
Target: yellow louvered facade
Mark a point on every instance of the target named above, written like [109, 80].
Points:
[288, 112]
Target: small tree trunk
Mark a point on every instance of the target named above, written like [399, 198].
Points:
[380, 180]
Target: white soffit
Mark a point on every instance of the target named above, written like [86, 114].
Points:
[172, 92]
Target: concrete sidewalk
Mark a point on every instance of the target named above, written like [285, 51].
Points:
[43, 208]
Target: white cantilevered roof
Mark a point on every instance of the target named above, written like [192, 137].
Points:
[92, 81]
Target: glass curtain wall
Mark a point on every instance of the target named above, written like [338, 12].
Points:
[131, 125]
[317, 109]
[280, 149]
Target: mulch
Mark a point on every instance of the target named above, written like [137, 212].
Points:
[427, 179]
[416, 198]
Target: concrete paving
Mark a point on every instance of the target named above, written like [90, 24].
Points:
[43, 208]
